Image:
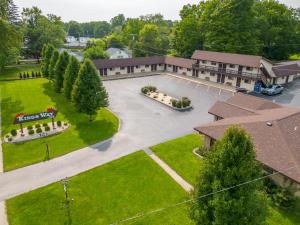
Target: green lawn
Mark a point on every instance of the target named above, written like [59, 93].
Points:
[179, 155]
[295, 57]
[123, 188]
[12, 72]
[29, 96]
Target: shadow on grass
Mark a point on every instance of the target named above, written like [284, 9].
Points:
[90, 132]
[9, 109]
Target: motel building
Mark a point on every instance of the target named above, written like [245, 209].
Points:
[274, 130]
[237, 70]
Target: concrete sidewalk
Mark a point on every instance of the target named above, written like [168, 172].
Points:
[179, 180]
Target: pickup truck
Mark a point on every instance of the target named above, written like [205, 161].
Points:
[272, 90]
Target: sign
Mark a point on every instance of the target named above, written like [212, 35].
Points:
[23, 118]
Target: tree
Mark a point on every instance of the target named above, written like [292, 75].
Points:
[230, 26]
[88, 93]
[60, 69]
[117, 21]
[230, 162]
[70, 76]
[74, 28]
[149, 42]
[53, 61]
[46, 55]
[40, 30]
[277, 29]
[131, 31]
[115, 40]
[95, 52]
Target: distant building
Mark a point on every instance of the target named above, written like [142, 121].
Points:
[70, 39]
[274, 130]
[116, 53]
[78, 54]
[84, 40]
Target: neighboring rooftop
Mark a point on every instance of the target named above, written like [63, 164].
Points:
[286, 70]
[230, 58]
[274, 129]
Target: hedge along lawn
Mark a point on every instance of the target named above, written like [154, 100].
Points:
[13, 72]
[120, 189]
[30, 96]
[178, 154]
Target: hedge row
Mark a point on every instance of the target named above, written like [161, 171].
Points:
[27, 75]
[183, 103]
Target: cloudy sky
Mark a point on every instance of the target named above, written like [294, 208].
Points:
[89, 10]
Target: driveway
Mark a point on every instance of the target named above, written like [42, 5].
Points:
[144, 123]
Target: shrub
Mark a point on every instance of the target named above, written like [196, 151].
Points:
[58, 123]
[29, 127]
[39, 130]
[144, 90]
[27, 75]
[14, 132]
[152, 88]
[179, 104]
[37, 125]
[45, 124]
[147, 89]
[65, 124]
[24, 75]
[39, 74]
[186, 102]
[7, 136]
[281, 197]
[31, 132]
[47, 128]
[174, 102]
[10, 139]
[21, 76]
[32, 74]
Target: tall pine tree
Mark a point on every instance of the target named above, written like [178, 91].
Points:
[53, 61]
[46, 57]
[88, 93]
[230, 162]
[60, 69]
[70, 76]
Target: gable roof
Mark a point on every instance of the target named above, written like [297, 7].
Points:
[275, 132]
[230, 58]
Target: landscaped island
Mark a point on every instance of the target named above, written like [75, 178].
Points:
[177, 104]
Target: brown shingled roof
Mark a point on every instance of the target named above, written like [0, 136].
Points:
[110, 63]
[230, 58]
[286, 70]
[275, 133]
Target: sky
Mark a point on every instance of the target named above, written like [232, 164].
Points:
[91, 10]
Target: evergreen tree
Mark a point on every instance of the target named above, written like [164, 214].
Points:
[230, 162]
[60, 69]
[70, 76]
[88, 93]
[53, 61]
[46, 57]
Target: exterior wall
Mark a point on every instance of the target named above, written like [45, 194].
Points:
[249, 86]
[184, 71]
[137, 69]
[119, 55]
[207, 142]
[287, 183]
[282, 80]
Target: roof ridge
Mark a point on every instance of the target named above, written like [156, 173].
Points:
[240, 107]
[229, 53]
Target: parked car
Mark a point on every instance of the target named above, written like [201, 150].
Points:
[242, 90]
[272, 90]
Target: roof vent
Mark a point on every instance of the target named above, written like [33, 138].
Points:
[269, 124]
[295, 128]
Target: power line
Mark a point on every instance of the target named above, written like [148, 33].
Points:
[197, 198]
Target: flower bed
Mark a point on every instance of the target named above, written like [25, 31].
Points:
[35, 132]
[180, 105]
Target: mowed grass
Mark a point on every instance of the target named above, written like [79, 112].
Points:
[178, 153]
[13, 72]
[295, 57]
[110, 193]
[30, 96]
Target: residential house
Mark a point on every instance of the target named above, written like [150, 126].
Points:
[274, 129]
[116, 53]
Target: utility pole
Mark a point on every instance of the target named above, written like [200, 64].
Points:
[47, 151]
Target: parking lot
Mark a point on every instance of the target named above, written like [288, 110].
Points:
[146, 122]
[290, 95]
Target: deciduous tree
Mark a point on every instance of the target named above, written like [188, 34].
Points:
[88, 93]
[229, 163]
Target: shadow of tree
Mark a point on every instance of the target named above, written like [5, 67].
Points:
[90, 132]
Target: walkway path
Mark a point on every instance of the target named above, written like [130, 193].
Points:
[185, 185]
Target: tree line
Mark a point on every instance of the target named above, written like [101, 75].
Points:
[80, 83]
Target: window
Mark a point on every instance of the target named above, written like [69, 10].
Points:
[212, 74]
[230, 78]
[207, 78]
[231, 66]
[204, 61]
[202, 72]
[247, 81]
[169, 65]
[159, 65]
[122, 68]
[180, 68]
[213, 63]
[147, 66]
[188, 69]
[249, 68]
[137, 67]
[111, 69]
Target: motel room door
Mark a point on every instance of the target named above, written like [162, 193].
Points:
[219, 78]
[238, 81]
[130, 69]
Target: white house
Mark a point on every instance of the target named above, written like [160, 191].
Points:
[116, 53]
